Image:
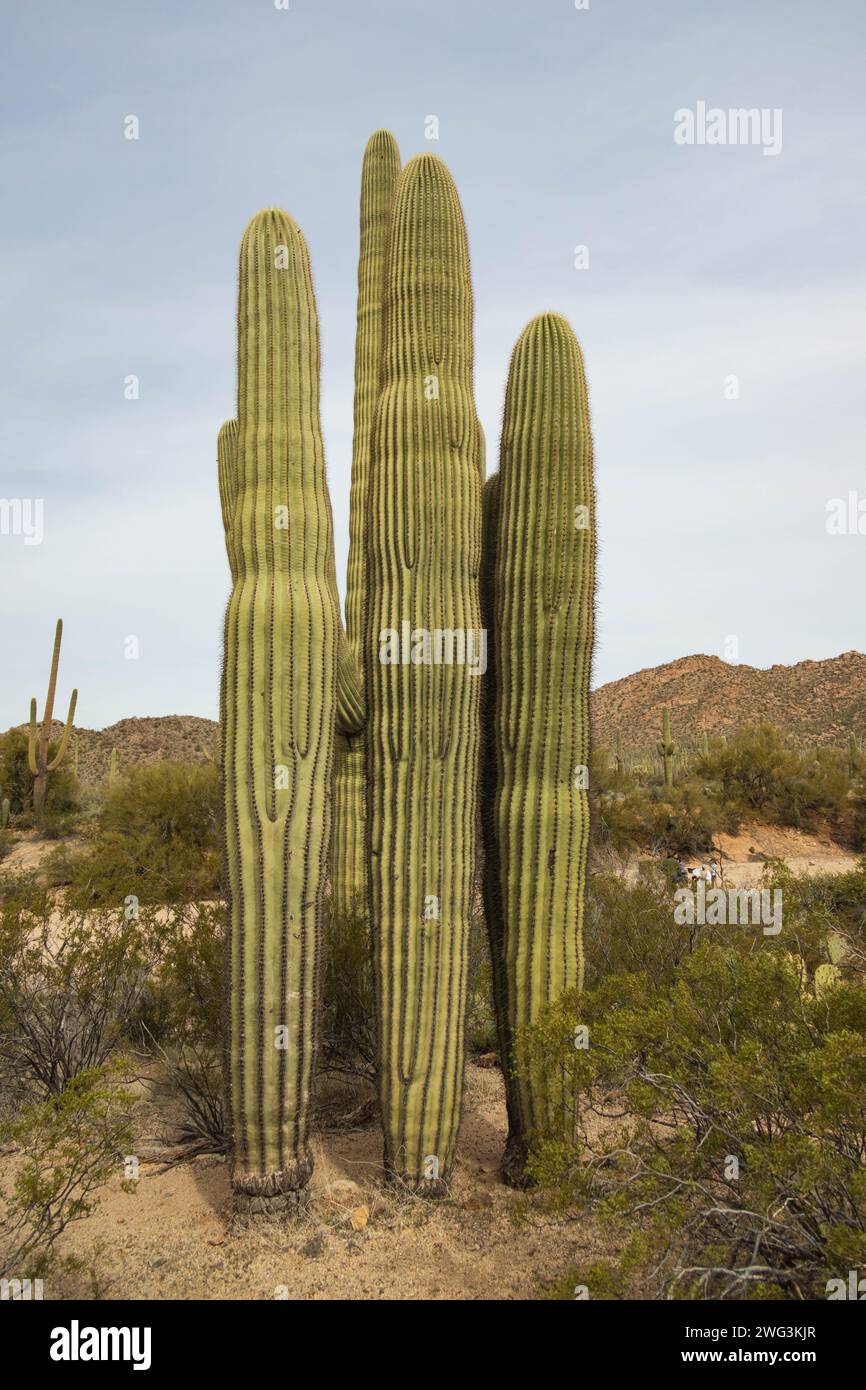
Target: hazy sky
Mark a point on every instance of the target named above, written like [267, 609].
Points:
[706, 262]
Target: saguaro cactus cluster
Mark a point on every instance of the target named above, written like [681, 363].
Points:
[539, 594]
[39, 741]
[399, 755]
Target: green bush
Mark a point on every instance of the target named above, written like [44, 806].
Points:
[715, 1121]
[67, 1146]
[69, 988]
[158, 836]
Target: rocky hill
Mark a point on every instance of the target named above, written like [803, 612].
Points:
[812, 701]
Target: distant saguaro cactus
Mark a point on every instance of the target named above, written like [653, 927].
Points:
[288, 679]
[379, 175]
[853, 757]
[426, 654]
[666, 748]
[112, 768]
[539, 585]
[5, 807]
[38, 743]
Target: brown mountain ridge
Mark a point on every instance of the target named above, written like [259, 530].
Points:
[812, 701]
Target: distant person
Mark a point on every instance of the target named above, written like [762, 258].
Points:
[714, 872]
[682, 871]
[696, 873]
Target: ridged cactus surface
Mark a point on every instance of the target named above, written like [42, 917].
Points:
[540, 568]
[282, 659]
[423, 558]
[379, 175]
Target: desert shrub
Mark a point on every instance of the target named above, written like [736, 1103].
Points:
[158, 836]
[181, 1019]
[66, 1146]
[69, 987]
[631, 928]
[348, 1046]
[716, 1123]
[16, 782]
[758, 775]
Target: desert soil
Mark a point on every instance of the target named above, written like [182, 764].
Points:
[357, 1238]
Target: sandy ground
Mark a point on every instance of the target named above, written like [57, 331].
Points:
[171, 1237]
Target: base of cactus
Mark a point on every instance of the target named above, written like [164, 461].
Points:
[270, 1196]
[513, 1165]
[413, 1186]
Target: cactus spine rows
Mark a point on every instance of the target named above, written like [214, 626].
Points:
[38, 743]
[540, 580]
[423, 555]
[666, 748]
[282, 635]
[379, 175]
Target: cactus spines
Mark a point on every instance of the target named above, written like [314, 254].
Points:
[281, 672]
[39, 740]
[379, 175]
[666, 748]
[541, 543]
[423, 558]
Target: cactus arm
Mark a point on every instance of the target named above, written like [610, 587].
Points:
[64, 738]
[52, 681]
[227, 448]
[31, 741]
[351, 706]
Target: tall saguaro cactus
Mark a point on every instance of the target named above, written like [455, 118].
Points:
[38, 743]
[379, 175]
[285, 684]
[539, 590]
[422, 616]
[666, 747]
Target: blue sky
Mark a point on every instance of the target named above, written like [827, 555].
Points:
[705, 262]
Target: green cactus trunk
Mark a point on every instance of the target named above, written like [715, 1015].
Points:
[39, 742]
[379, 175]
[426, 654]
[281, 673]
[112, 768]
[666, 748]
[540, 543]
[5, 809]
